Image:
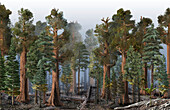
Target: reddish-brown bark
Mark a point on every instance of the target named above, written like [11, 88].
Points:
[104, 80]
[125, 96]
[54, 98]
[23, 96]
[73, 85]
[168, 59]
[2, 40]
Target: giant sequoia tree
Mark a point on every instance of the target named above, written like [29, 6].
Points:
[56, 23]
[5, 31]
[24, 32]
[105, 52]
[121, 27]
[164, 30]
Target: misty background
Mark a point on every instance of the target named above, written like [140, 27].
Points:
[88, 13]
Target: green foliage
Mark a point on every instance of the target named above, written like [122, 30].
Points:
[80, 56]
[24, 30]
[105, 52]
[139, 33]
[120, 84]
[55, 23]
[150, 90]
[160, 72]
[120, 27]
[39, 61]
[164, 21]
[2, 73]
[5, 31]
[114, 85]
[133, 67]
[162, 89]
[152, 47]
[96, 69]
[66, 76]
[12, 82]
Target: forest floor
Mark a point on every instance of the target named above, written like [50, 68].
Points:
[103, 105]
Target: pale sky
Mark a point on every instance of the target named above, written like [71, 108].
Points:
[88, 12]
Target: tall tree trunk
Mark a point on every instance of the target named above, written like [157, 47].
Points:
[54, 98]
[104, 79]
[108, 82]
[168, 58]
[12, 98]
[35, 100]
[79, 80]
[2, 38]
[168, 67]
[126, 96]
[24, 94]
[152, 72]
[74, 81]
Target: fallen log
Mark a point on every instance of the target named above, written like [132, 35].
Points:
[156, 104]
[87, 98]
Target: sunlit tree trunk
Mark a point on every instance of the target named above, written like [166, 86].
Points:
[168, 66]
[168, 58]
[108, 86]
[54, 98]
[12, 98]
[104, 80]
[24, 94]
